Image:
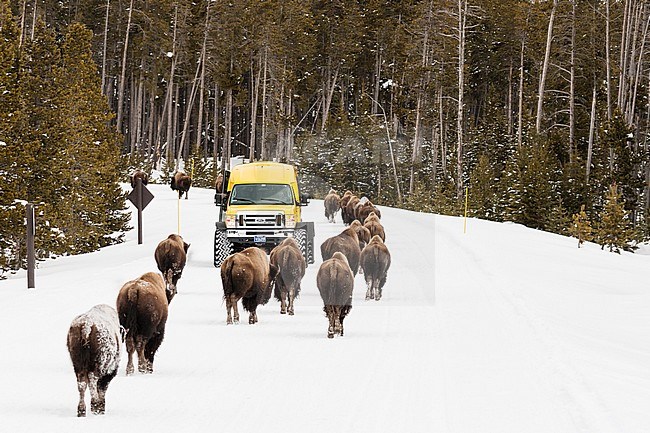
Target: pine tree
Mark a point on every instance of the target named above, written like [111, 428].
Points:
[614, 229]
[481, 191]
[580, 228]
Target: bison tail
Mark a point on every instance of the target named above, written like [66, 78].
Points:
[226, 278]
[130, 316]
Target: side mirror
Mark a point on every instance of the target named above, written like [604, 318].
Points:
[304, 199]
[220, 199]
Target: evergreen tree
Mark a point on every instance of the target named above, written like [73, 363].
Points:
[481, 191]
[614, 230]
[580, 227]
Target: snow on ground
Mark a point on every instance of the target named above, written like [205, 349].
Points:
[502, 329]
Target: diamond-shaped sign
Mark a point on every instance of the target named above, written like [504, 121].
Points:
[146, 197]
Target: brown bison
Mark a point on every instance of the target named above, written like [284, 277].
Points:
[374, 226]
[248, 276]
[364, 209]
[332, 205]
[142, 309]
[171, 255]
[335, 283]
[362, 233]
[139, 174]
[94, 346]
[346, 242]
[181, 182]
[343, 205]
[349, 210]
[290, 264]
[375, 261]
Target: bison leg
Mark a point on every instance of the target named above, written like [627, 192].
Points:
[329, 310]
[142, 360]
[369, 292]
[380, 287]
[231, 303]
[81, 386]
[130, 348]
[291, 296]
[283, 302]
[102, 386]
[150, 349]
[252, 317]
[94, 394]
[343, 311]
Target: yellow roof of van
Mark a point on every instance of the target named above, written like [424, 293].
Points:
[262, 172]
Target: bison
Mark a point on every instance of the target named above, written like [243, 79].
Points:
[139, 174]
[374, 226]
[375, 261]
[363, 233]
[142, 306]
[347, 195]
[181, 182]
[332, 205]
[349, 210]
[346, 242]
[171, 255]
[94, 346]
[290, 264]
[335, 283]
[248, 276]
[364, 209]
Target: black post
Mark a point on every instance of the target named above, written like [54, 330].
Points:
[138, 185]
[31, 258]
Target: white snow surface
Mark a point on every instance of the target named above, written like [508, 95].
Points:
[500, 329]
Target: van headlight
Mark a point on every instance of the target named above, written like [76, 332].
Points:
[290, 221]
[230, 221]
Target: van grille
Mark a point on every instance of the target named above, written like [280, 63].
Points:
[260, 220]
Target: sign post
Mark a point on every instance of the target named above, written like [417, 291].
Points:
[140, 197]
[31, 257]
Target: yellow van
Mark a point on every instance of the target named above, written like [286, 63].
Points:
[260, 205]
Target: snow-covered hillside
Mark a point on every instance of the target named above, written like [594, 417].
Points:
[502, 329]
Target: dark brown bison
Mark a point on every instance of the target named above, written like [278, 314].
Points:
[290, 264]
[346, 242]
[142, 309]
[181, 182]
[374, 226]
[248, 276]
[375, 261]
[364, 209]
[139, 174]
[344, 203]
[349, 210]
[94, 346]
[335, 283]
[362, 233]
[171, 255]
[332, 205]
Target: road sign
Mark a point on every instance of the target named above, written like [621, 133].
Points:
[146, 197]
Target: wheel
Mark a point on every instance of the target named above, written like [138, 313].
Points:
[222, 247]
[306, 244]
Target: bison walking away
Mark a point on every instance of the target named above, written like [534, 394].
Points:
[350, 207]
[346, 242]
[290, 265]
[181, 182]
[171, 255]
[375, 261]
[335, 283]
[332, 205]
[94, 346]
[248, 276]
[362, 233]
[364, 209]
[374, 226]
[139, 174]
[142, 306]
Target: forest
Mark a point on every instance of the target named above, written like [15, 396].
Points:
[530, 111]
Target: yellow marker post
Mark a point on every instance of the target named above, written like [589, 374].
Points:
[465, 220]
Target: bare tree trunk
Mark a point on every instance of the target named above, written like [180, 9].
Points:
[462, 20]
[509, 104]
[592, 129]
[443, 142]
[520, 104]
[199, 127]
[215, 121]
[108, 8]
[34, 8]
[625, 39]
[328, 93]
[416, 143]
[435, 140]
[607, 61]
[225, 154]
[188, 113]
[638, 72]
[255, 90]
[264, 152]
[377, 80]
[22, 24]
[170, 90]
[151, 126]
[572, 73]
[139, 111]
[631, 67]
[542, 81]
[120, 93]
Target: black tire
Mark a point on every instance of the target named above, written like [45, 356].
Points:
[222, 247]
[306, 244]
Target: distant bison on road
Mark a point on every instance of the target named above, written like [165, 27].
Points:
[375, 261]
[171, 255]
[335, 283]
[139, 174]
[94, 346]
[290, 264]
[346, 242]
[181, 182]
[332, 205]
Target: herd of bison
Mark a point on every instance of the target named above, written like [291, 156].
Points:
[95, 337]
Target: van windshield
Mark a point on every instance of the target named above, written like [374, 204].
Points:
[261, 193]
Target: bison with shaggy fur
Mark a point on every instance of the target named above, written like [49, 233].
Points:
[332, 205]
[375, 261]
[139, 174]
[142, 306]
[346, 242]
[181, 182]
[374, 226]
[343, 205]
[362, 233]
[171, 255]
[248, 276]
[349, 210]
[335, 283]
[94, 346]
[290, 264]
[365, 209]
